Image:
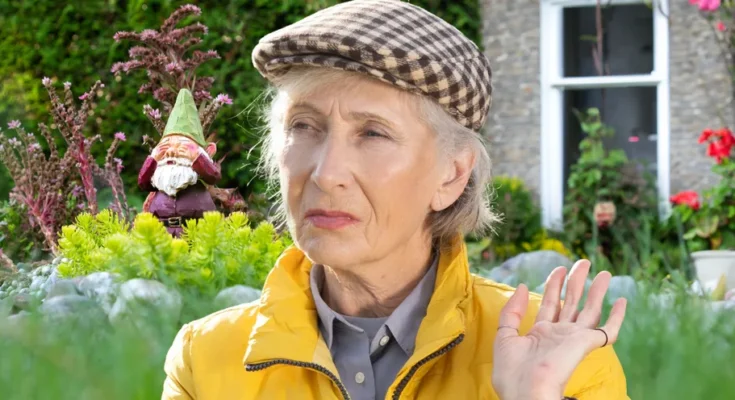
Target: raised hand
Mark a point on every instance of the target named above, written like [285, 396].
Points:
[538, 365]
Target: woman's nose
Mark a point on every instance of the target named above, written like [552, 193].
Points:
[332, 168]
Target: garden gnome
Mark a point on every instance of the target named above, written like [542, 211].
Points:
[178, 168]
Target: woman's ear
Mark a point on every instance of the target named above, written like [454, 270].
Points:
[458, 173]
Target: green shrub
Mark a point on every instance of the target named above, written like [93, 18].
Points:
[72, 41]
[602, 175]
[519, 230]
[17, 238]
[213, 253]
[521, 217]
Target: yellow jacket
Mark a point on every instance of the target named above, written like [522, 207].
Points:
[271, 348]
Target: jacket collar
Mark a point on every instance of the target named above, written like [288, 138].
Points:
[286, 325]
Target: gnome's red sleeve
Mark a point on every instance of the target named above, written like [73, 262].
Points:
[207, 169]
[146, 173]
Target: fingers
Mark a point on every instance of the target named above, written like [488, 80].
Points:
[513, 312]
[590, 315]
[550, 304]
[575, 290]
[614, 321]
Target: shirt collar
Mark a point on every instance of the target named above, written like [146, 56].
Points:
[403, 323]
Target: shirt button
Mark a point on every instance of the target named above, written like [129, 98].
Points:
[384, 340]
[359, 377]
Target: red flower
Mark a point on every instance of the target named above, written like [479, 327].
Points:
[706, 134]
[726, 137]
[689, 198]
[721, 26]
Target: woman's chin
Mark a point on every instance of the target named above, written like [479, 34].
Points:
[330, 249]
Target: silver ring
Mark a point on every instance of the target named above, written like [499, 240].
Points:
[506, 326]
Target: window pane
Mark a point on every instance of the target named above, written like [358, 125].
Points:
[630, 111]
[627, 43]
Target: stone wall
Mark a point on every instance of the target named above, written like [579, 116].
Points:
[511, 42]
[699, 94]
[699, 91]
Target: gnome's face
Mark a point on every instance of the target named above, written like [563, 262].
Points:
[175, 155]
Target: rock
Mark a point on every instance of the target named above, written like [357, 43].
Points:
[102, 287]
[61, 288]
[139, 297]
[37, 283]
[532, 268]
[622, 286]
[496, 274]
[19, 319]
[235, 295]
[72, 306]
[51, 281]
[22, 301]
[6, 307]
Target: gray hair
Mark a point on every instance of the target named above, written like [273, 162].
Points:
[469, 214]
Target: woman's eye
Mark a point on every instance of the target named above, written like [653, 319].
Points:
[300, 126]
[372, 133]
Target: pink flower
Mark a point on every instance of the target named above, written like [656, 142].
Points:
[148, 34]
[634, 139]
[77, 191]
[84, 96]
[721, 26]
[118, 164]
[191, 8]
[155, 114]
[46, 81]
[173, 67]
[120, 136]
[67, 85]
[223, 99]
[706, 5]
[14, 124]
[33, 147]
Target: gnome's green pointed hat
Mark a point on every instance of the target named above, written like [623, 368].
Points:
[184, 119]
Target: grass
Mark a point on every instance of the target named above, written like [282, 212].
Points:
[684, 352]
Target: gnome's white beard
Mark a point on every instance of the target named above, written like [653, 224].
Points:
[170, 178]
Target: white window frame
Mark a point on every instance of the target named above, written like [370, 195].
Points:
[553, 84]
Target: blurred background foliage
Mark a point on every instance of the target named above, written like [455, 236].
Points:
[72, 41]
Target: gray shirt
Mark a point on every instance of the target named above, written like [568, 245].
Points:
[369, 352]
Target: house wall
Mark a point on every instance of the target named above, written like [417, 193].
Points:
[699, 87]
[700, 92]
[511, 42]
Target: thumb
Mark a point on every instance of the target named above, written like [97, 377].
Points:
[512, 313]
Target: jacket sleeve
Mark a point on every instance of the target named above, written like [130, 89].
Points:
[599, 376]
[179, 383]
[146, 173]
[207, 169]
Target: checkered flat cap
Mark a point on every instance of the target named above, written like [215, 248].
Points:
[393, 41]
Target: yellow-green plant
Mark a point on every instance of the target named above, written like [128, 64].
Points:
[214, 252]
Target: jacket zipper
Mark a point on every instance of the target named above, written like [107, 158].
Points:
[412, 371]
[342, 388]
[316, 367]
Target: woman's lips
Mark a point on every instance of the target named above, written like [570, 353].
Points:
[330, 219]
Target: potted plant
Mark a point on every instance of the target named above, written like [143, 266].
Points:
[710, 224]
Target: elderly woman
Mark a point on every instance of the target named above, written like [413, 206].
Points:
[374, 138]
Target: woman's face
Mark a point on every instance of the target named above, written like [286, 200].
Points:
[359, 172]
